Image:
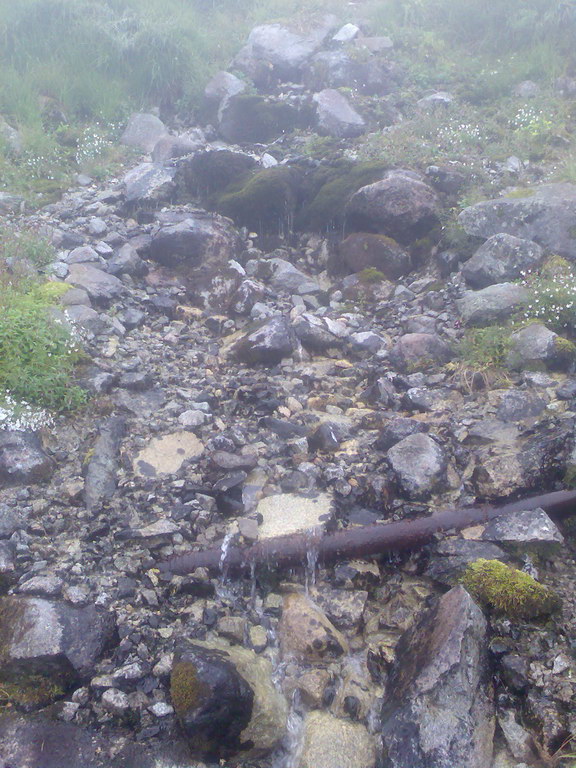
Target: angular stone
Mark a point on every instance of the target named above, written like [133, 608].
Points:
[223, 85]
[51, 640]
[165, 455]
[438, 711]
[419, 464]
[100, 286]
[544, 214]
[143, 131]
[329, 742]
[537, 347]
[306, 634]
[343, 69]
[22, 459]
[449, 558]
[170, 147]
[287, 513]
[418, 351]
[531, 531]
[500, 259]
[336, 117]
[400, 206]
[149, 183]
[360, 251]
[269, 343]
[201, 239]
[319, 333]
[100, 471]
[492, 304]
[127, 262]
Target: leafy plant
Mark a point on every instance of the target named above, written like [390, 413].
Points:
[553, 296]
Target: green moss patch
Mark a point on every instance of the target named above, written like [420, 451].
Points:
[186, 690]
[508, 591]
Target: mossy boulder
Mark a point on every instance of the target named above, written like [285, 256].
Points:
[46, 647]
[508, 591]
[265, 202]
[361, 251]
[225, 701]
[536, 347]
[206, 174]
[249, 118]
[330, 188]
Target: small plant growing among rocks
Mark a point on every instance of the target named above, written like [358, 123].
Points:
[553, 295]
[508, 591]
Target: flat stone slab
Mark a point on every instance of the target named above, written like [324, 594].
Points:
[165, 455]
[288, 513]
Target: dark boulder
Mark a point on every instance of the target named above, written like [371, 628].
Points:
[361, 251]
[22, 459]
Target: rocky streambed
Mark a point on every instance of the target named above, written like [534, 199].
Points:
[271, 344]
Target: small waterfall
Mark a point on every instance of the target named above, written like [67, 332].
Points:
[288, 755]
[224, 549]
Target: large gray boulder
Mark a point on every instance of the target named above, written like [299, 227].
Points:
[362, 250]
[269, 343]
[545, 214]
[148, 183]
[199, 239]
[438, 710]
[222, 86]
[401, 206]
[275, 52]
[143, 131]
[22, 459]
[336, 117]
[491, 304]
[501, 258]
[419, 464]
[536, 347]
[418, 351]
[340, 69]
[100, 286]
[48, 641]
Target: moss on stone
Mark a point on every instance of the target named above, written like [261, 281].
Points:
[331, 187]
[520, 193]
[508, 591]
[185, 689]
[29, 692]
[265, 202]
[371, 275]
[565, 351]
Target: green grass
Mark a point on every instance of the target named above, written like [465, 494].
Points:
[38, 350]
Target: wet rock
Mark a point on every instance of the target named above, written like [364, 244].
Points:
[269, 343]
[519, 741]
[400, 206]
[515, 671]
[225, 700]
[536, 347]
[100, 286]
[47, 646]
[344, 608]
[417, 351]
[360, 251]
[546, 716]
[531, 531]
[329, 742]
[275, 52]
[149, 183]
[305, 633]
[143, 131]
[500, 259]
[336, 117]
[289, 513]
[438, 710]
[449, 558]
[327, 437]
[102, 464]
[165, 455]
[419, 464]
[22, 459]
[248, 118]
[491, 304]
[545, 214]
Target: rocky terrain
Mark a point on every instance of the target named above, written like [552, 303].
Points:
[272, 349]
